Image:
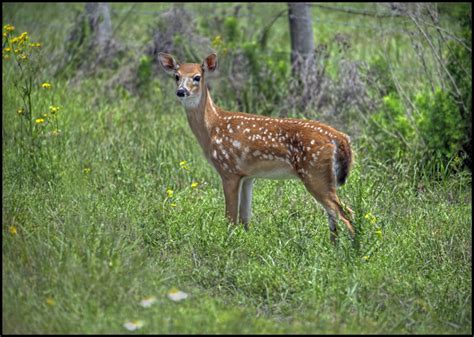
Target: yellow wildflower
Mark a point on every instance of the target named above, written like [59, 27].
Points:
[216, 41]
[372, 219]
[86, 170]
[39, 120]
[173, 204]
[50, 301]
[378, 232]
[53, 109]
[23, 37]
[169, 192]
[365, 258]
[46, 85]
[20, 111]
[7, 50]
[23, 57]
[184, 165]
[194, 184]
[12, 230]
[35, 45]
[9, 28]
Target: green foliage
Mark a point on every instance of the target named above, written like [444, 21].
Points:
[460, 68]
[232, 29]
[36, 134]
[435, 132]
[391, 135]
[126, 221]
[266, 77]
[77, 48]
[378, 68]
[144, 70]
[440, 125]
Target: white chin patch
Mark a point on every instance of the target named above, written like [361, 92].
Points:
[190, 101]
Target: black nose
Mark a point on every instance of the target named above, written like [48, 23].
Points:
[181, 92]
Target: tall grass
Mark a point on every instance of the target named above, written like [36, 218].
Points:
[98, 241]
[85, 243]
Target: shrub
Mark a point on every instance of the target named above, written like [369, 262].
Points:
[459, 65]
[391, 135]
[441, 127]
[434, 134]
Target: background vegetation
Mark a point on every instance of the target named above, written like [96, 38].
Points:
[107, 199]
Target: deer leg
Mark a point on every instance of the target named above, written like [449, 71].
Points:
[326, 195]
[343, 216]
[231, 193]
[332, 218]
[245, 208]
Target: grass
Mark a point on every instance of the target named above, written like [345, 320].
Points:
[99, 242]
[97, 231]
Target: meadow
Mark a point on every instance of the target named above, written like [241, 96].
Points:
[110, 201]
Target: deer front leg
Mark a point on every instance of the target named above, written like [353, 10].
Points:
[245, 208]
[231, 192]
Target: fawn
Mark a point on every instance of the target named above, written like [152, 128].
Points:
[243, 146]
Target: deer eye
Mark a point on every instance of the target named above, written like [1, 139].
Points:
[197, 78]
[176, 77]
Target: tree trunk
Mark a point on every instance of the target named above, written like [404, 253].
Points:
[98, 15]
[302, 41]
[303, 66]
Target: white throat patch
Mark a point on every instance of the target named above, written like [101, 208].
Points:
[190, 102]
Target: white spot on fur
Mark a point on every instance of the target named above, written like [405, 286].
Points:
[225, 154]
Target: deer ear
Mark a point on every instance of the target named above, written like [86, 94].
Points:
[210, 63]
[168, 63]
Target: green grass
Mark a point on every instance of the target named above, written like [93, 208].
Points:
[97, 242]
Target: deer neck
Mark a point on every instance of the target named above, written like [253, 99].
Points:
[202, 116]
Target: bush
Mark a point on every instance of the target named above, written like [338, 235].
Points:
[435, 133]
[441, 127]
[391, 135]
[460, 67]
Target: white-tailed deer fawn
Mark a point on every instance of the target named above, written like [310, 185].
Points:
[242, 146]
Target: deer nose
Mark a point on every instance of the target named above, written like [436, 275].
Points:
[181, 92]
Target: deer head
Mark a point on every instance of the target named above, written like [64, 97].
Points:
[190, 77]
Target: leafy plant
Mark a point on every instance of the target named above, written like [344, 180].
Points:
[37, 110]
[440, 124]
[390, 133]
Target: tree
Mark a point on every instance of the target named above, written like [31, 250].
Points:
[302, 49]
[90, 42]
[98, 16]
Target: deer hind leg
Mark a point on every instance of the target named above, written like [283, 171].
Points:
[245, 207]
[326, 195]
